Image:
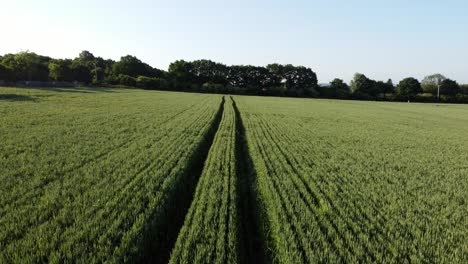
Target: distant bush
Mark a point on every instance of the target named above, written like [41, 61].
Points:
[430, 98]
[426, 97]
[126, 80]
[213, 88]
[461, 98]
[275, 91]
[361, 96]
[6, 74]
[337, 89]
[193, 87]
[458, 98]
[151, 83]
[464, 88]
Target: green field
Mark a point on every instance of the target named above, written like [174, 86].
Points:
[121, 175]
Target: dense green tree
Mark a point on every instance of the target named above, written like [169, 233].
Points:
[102, 70]
[86, 57]
[429, 83]
[464, 88]
[379, 88]
[237, 76]
[60, 70]
[98, 67]
[132, 66]
[253, 78]
[213, 88]
[181, 74]
[81, 72]
[390, 87]
[27, 66]
[449, 87]
[363, 87]
[207, 71]
[279, 74]
[126, 80]
[302, 81]
[83, 67]
[209, 76]
[6, 74]
[408, 88]
[151, 83]
[338, 89]
[298, 80]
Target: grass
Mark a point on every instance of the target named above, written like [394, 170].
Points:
[115, 175]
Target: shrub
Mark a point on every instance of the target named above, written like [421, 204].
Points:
[464, 88]
[151, 83]
[213, 88]
[126, 80]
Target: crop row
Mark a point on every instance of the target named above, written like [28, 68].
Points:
[356, 190]
[188, 178]
[210, 231]
[103, 210]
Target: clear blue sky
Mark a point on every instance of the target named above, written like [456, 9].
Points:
[336, 38]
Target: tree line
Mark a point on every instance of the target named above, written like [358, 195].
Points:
[434, 87]
[213, 77]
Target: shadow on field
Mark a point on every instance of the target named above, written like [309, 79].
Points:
[16, 97]
[83, 90]
[252, 216]
[77, 89]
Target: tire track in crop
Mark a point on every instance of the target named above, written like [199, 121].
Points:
[150, 224]
[307, 196]
[252, 234]
[238, 201]
[166, 202]
[157, 247]
[96, 185]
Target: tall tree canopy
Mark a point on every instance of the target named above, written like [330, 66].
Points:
[449, 87]
[207, 71]
[60, 70]
[181, 73]
[338, 89]
[362, 86]
[26, 66]
[408, 88]
[132, 66]
[210, 76]
[429, 83]
[6, 74]
[298, 80]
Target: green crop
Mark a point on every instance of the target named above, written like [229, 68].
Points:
[85, 175]
[348, 181]
[93, 175]
[210, 232]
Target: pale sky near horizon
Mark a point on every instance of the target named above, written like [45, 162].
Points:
[336, 38]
